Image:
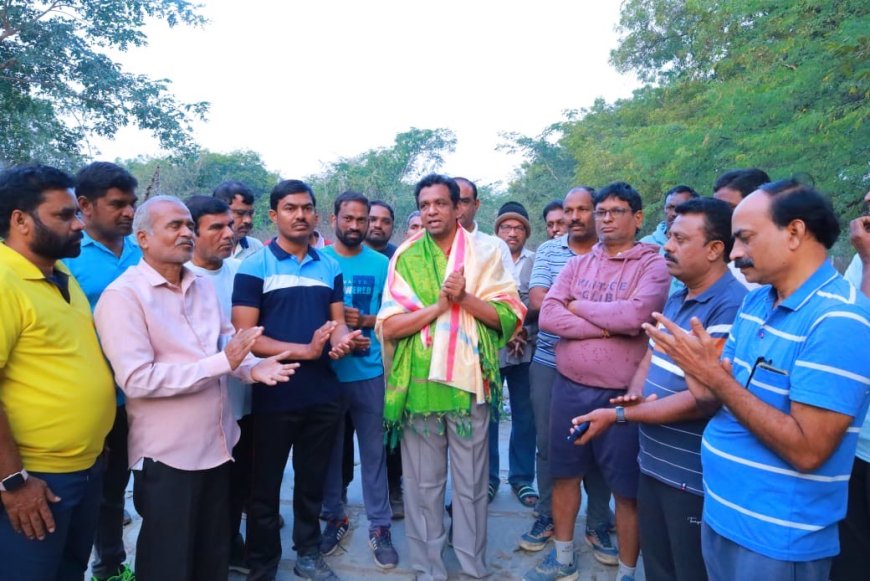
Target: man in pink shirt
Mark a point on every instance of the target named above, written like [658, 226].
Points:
[162, 329]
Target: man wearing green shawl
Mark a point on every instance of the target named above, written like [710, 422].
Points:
[448, 307]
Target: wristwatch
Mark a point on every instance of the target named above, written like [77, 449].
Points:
[620, 415]
[14, 481]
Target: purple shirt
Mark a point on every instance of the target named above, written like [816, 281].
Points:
[162, 341]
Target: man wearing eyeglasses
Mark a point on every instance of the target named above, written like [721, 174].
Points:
[512, 225]
[469, 204]
[596, 307]
[240, 199]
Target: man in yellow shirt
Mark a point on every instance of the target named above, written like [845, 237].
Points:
[56, 390]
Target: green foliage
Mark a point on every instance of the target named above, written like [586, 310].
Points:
[57, 86]
[781, 86]
[387, 173]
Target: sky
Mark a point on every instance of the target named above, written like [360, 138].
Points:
[305, 83]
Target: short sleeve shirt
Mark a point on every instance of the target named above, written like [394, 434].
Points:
[294, 300]
[550, 259]
[812, 349]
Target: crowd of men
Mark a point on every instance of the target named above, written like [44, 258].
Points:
[711, 379]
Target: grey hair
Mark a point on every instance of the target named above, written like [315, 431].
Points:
[411, 216]
[142, 218]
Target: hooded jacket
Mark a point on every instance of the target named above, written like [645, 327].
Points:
[601, 341]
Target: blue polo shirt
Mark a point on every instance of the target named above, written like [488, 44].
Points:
[96, 267]
[294, 300]
[812, 349]
[550, 259]
[364, 277]
[671, 453]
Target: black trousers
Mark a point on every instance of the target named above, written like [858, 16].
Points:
[185, 536]
[855, 528]
[311, 434]
[347, 452]
[109, 541]
[670, 532]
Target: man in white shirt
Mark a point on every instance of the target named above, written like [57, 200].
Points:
[468, 206]
[240, 199]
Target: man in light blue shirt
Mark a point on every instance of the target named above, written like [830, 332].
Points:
[107, 196]
[793, 384]
[361, 376]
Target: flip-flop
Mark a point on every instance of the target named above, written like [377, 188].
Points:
[526, 495]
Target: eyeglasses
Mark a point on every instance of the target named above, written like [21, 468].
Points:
[614, 213]
[508, 228]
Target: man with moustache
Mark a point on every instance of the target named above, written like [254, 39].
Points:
[550, 259]
[671, 493]
[675, 196]
[554, 219]
[381, 221]
[171, 354]
[107, 197]
[56, 392]
[240, 199]
[448, 307]
[596, 308]
[512, 225]
[213, 224]
[297, 294]
[364, 272]
[468, 207]
[792, 382]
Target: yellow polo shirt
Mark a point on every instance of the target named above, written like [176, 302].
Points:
[55, 385]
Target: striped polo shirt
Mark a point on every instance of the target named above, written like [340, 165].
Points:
[294, 300]
[671, 453]
[550, 259]
[811, 349]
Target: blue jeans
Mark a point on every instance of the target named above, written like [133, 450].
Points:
[63, 555]
[521, 452]
[364, 400]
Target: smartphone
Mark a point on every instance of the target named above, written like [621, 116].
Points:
[577, 431]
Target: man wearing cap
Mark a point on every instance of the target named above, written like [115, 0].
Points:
[512, 225]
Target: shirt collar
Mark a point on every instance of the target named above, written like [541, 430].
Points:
[243, 242]
[716, 289]
[563, 241]
[281, 254]
[525, 253]
[822, 276]
[154, 278]
[87, 240]
[23, 267]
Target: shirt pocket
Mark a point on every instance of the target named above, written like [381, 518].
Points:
[772, 386]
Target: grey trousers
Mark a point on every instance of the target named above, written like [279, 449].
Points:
[598, 502]
[425, 445]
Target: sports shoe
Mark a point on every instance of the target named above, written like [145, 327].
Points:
[541, 533]
[125, 573]
[603, 549]
[552, 570]
[312, 566]
[381, 544]
[334, 531]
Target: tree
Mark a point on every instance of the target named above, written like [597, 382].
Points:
[388, 173]
[57, 85]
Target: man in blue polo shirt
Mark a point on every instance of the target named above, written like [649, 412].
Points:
[107, 196]
[671, 494]
[793, 384]
[550, 259]
[296, 294]
[362, 383]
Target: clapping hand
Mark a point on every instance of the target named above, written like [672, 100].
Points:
[240, 345]
[271, 371]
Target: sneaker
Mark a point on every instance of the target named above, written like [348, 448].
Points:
[541, 533]
[603, 549]
[312, 566]
[552, 570]
[334, 531]
[381, 544]
[125, 573]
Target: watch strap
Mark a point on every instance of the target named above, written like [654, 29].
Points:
[620, 415]
[14, 481]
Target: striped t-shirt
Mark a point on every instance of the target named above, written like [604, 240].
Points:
[671, 453]
[811, 349]
[550, 259]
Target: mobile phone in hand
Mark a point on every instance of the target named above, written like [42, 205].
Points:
[577, 431]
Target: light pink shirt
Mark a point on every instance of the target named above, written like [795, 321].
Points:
[162, 342]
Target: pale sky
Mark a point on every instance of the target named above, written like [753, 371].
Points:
[304, 83]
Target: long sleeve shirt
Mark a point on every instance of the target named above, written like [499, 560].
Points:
[163, 342]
